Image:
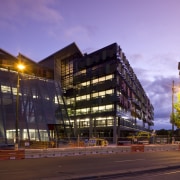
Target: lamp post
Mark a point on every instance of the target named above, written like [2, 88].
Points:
[20, 67]
[172, 108]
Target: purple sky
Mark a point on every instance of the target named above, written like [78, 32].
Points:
[148, 32]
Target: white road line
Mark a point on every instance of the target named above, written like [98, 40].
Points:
[172, 172]
[130, 160]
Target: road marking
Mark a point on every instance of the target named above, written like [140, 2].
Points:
[172, 172]
[162, 173]
[130, 160]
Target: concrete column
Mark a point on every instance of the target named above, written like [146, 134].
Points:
[115, 131]
[90, 127]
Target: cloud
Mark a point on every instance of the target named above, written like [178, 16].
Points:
[79, 32]
[156, 64]
[136, 58]
[160, 95]
[18, 11]
[43, 11]
[162, 123]
[156, 76]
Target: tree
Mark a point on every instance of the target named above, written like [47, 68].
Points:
[175, 117]
[163, 132]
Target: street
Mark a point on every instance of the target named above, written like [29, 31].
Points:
[127, 166]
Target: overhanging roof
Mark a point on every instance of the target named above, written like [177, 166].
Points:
[65, 52]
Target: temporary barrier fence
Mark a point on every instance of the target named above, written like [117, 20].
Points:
[60, 152]
[78, 151]
[12, 154]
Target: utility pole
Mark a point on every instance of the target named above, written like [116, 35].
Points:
[173, 108]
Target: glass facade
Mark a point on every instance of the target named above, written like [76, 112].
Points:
[104, 97]
[40, 103]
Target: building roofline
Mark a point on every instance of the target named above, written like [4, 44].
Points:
[27, 58]
[62, 50]
[7, 53]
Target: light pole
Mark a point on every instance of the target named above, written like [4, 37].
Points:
[20, 67]
[172, 108]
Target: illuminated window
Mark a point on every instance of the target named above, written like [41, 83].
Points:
[100, 118]
[94, 81]
[78, 111]
[95, 95]
[11, 134]
[88, 96]
[14, 90]
[6, 89]
[83, 124]
[110, 122]
[82, 111]
[85, 97]
[95, 109]
[100, 123]
[85, 83]
[57, 99]
[109, 107]
[109, 77]
[110, 91]
[102, 93]
[102, 79]
[102, 108]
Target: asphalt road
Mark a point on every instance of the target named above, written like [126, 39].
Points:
[124, 166]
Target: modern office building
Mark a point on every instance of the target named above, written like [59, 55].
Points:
[104, 98]
[71, 94]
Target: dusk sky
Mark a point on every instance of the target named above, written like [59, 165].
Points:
[148, 32]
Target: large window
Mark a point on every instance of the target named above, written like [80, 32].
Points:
[102, 108]
[84, 97]
[82, 111]
[102, 93]
[102, 79]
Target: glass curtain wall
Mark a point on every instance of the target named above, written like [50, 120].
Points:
[40, 103]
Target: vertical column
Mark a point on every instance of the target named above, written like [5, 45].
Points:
[90, 127]
[115, 135]
[75, 128]
[119, 123]
[115, 131]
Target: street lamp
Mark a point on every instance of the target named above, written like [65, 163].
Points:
[20, 68]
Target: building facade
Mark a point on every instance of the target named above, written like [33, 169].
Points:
[103, 95]
[86, 95]
[38, 104]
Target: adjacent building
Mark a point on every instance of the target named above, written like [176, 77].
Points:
[70, 94]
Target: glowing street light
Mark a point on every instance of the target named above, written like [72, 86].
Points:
[20, 68]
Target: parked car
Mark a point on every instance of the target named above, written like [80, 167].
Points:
[97, 142]
[141, 138]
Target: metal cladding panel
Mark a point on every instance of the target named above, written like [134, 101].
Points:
[40, 103]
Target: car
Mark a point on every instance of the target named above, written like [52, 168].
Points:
[142, 137]
[97, 142]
